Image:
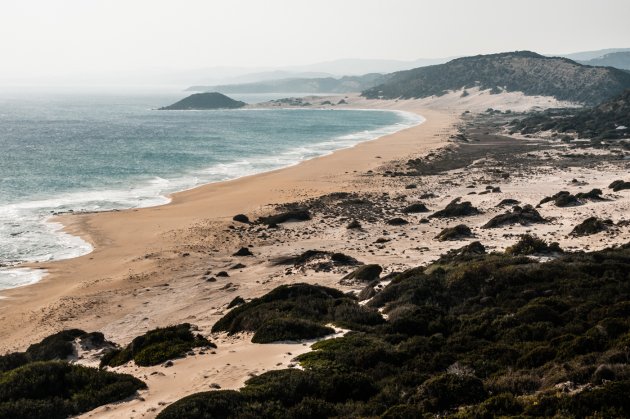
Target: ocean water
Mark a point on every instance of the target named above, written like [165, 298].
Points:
[97, 152]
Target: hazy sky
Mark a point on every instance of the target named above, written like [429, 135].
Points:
[41, 39]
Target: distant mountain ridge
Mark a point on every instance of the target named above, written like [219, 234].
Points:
[344, 84]
[614, 59]
[524, 71]
[590, 55]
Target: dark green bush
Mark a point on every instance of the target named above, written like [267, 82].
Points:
[55, 389]
[471, 335]
[157, 345]
[222, 404]
[299, 301]
[445, 391]
[289, 329]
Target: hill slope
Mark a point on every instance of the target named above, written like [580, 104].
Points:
[609, 120]
[345, 84]
[210, 100]
[523, 71]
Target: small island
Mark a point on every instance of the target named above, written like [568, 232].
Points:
[202, 101]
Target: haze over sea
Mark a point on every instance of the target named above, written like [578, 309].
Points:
[65, 152]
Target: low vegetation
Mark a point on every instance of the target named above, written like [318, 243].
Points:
[156, 346]
[58, 346]
[471, 335]
[39, 383]
[272, 316]
[608, 121]
[531, 245]
[55, 389]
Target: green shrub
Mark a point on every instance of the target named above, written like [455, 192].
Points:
[289, 329]
[156, 346]
[445, 391]
[506, 329]
[222, 404]
[57, 389]
[299, 301]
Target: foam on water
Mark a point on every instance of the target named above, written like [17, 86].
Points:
[27, 235]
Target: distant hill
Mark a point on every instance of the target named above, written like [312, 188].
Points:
[209, 100]
[589, 55]
[345, 84]
[523, 71]
[614, 59]
[609, 120]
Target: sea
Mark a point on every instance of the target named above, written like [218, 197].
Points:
[74, 151]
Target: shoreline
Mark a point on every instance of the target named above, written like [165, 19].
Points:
[409, 120]
[118, 255]
[176, 263]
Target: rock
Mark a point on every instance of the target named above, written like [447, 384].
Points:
[456, 209]
[167, 364]
[508, 202]
[595, 194]
[241, 218]
[561, 199]
[343, 259]
[243, 251]
[354, 224]
[591, 225]
[454, 233]
[471, 250]
[292, 215]
[411, 186]
[365, 273]
[238, 266]
[619, 185]
[397, 221]
[524, 216]
[223, 274]
[415, 208]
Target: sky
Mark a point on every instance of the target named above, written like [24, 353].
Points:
[50, 40]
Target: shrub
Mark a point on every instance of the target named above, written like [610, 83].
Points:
[289, 329]
[300, 302]
[529, 245]
[445, 391]
[207, 405]
[156, 346]
[57, 389]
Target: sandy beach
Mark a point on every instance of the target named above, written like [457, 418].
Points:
[153, 267]
[137, 251]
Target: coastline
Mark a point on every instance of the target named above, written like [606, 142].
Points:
[59, 245]
[121, 239]
[160, 266]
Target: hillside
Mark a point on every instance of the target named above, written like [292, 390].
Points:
[210, 100]
[615, 59]
[609, 120]
[345, 84]
[523, 71]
